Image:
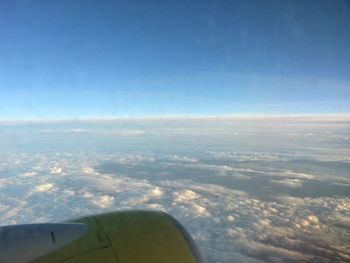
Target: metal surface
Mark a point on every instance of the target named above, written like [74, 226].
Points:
[22, 243]
[118, 237]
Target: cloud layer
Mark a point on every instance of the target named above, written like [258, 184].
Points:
[252, 203]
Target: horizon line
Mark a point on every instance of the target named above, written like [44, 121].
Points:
[172, 117]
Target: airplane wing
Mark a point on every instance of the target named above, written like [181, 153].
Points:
[117, 237]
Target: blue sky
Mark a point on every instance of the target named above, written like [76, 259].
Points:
[72, 59]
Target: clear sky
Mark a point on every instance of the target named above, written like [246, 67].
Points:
[71, 59]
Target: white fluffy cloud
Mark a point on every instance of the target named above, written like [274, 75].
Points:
[56, 170]
[47, 187]
[185, 196]
[290, 183]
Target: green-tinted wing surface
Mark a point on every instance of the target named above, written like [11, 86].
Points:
[129, 237]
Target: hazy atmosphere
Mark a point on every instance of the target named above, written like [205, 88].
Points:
[110, 58]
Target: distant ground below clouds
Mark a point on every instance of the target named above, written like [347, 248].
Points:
[247, 189]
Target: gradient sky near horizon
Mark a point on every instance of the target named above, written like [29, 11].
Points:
[63, 59]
